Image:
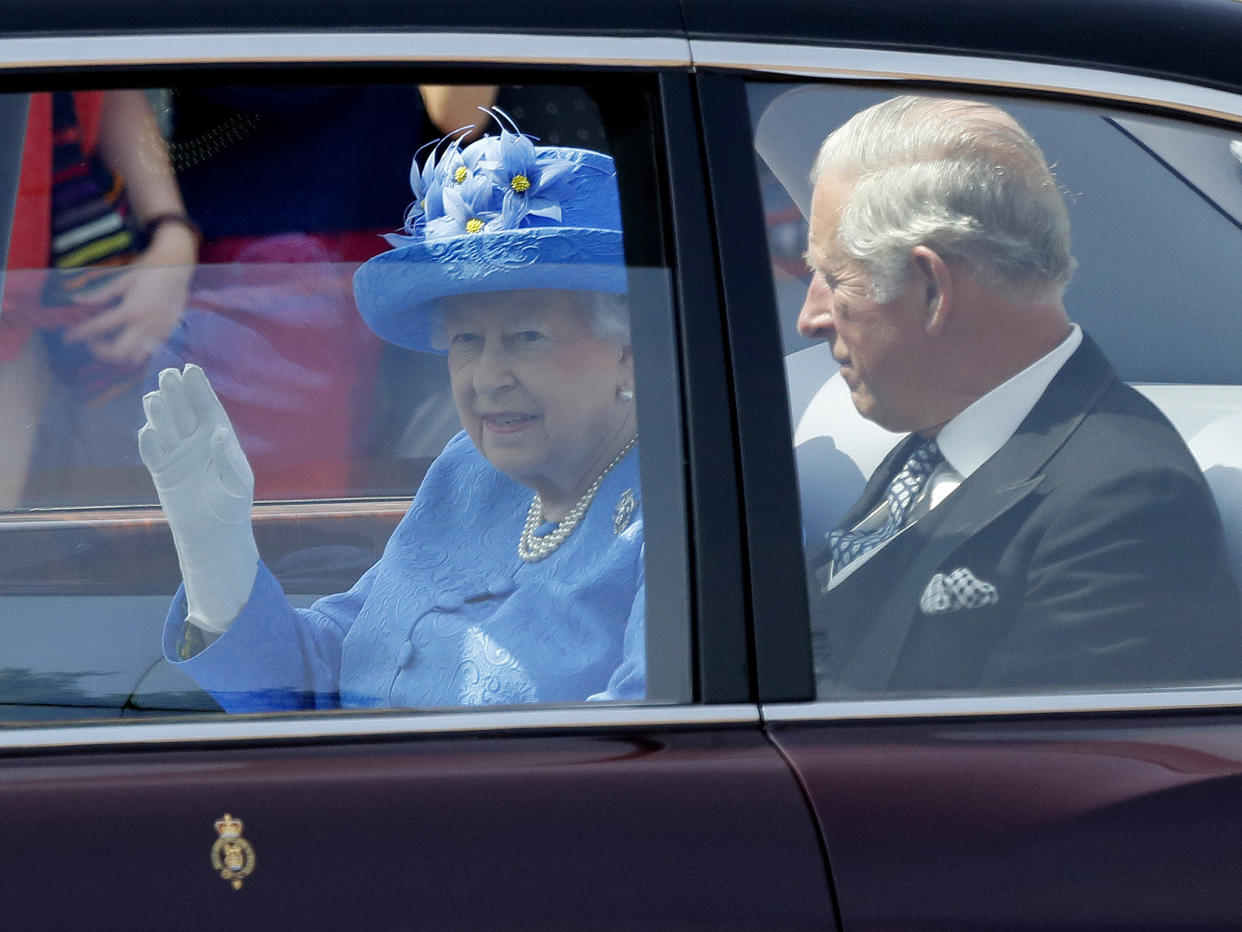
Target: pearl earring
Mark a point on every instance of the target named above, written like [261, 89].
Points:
[625, 395]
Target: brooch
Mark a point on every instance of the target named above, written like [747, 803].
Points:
[624, 511]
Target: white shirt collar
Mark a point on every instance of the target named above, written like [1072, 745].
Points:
[971, 438]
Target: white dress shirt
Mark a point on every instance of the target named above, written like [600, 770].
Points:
[970, 439]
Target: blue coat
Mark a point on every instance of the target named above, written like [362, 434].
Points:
[450, 615]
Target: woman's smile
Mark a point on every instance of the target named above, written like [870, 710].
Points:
[508, 422]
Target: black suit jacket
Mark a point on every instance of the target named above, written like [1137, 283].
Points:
[1100, 536]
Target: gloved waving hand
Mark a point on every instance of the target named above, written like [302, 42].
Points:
[207, 490]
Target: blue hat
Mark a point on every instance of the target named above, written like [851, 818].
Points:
[499, 214]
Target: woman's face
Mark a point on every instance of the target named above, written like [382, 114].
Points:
[536, 390]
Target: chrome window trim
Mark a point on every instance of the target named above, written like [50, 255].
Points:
[341, 46]
[51, 53]
[109, 517]
[1001, 73]
[251, 729]
[982, 706]
[878, 65]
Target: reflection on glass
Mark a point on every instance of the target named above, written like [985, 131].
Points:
[337, 426]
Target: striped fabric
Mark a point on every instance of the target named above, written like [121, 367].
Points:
[92, 239]
[90, 222]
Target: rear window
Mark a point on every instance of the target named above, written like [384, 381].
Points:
[220, 227]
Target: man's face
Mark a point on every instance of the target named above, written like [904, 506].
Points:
[880, 346]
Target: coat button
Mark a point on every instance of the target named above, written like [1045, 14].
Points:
[406, 655]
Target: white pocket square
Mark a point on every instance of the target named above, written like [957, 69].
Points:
[950, 592]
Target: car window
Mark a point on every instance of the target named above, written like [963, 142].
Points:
[216, 229]
[993, 595]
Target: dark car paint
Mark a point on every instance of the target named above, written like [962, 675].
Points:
[562, 17]
[664, 829]
[1198, 40]
[1054, 822]
[1120, 823]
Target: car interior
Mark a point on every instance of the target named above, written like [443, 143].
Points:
[1142, 287]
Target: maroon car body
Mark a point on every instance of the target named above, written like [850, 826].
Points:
[733, 799]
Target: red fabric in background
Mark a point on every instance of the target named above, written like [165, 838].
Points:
[274, 325]
[270, 318]
[30, 241]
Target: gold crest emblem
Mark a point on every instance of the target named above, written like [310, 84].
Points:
[232, 855]
[624, 511]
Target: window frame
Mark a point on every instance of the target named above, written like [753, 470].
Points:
[781, 624]
[719, 658]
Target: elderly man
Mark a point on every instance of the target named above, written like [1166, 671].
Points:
[1043, 526]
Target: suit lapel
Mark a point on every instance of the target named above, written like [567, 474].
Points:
[936, 537]
[1070, 396]
[1007, 478]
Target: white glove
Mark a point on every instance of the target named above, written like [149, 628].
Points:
[207, 490]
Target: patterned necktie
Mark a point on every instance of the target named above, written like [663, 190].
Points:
[847, 546]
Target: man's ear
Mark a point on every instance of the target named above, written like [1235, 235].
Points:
[935, 279]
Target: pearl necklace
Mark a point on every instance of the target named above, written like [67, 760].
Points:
[532, 548]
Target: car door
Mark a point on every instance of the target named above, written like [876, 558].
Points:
[1046, 808]
[128, 799]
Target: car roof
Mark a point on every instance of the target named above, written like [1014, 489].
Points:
[1199, 40]
[564, 17]
[1196, 39]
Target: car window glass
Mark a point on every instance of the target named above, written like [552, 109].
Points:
[220, 227]
[1155, 208]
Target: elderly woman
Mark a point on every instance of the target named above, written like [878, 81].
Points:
[517, 573]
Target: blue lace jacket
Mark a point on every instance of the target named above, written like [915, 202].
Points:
[450, 615]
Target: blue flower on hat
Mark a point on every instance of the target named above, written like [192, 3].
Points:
[424, 182]
[527, 183]
[451, 170]
[498, 214]
[469, 206]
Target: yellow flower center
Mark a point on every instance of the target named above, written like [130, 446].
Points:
[474, 225]
[520, 184]
[461, 174]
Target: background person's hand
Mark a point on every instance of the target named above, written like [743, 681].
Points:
[150, 298]
[207, 489]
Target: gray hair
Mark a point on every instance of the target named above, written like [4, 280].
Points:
[608, 317]
[959, 176]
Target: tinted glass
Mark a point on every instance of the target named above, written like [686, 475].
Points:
[221, 226]
[1155, 207]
